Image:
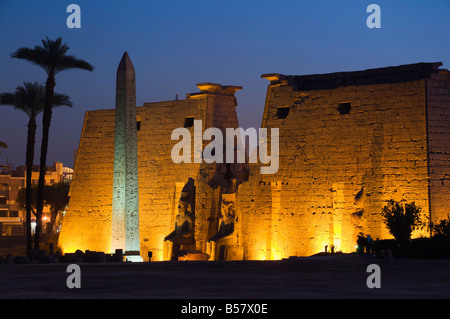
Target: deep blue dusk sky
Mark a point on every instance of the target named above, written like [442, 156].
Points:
[176, 44]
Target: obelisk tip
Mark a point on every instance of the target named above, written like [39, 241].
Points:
[125, 63]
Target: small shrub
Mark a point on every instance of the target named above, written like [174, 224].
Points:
[442, 229]
[401, 221]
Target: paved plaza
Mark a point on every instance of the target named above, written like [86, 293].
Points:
[321, 277]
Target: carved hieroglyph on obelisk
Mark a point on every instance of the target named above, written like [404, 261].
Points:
[125, 205]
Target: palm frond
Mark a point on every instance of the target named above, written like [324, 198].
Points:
[7, 99]
[70, 62]
[30, 98]
[51, 56]
[35, 56]
[61, 100]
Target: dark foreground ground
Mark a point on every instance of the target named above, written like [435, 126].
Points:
[314, 277]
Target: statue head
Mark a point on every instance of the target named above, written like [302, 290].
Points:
[227, 208]
[185, 203]
[184, 206]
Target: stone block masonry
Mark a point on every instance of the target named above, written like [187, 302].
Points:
[88, 221]
[349, 142]
[438, 133]
[377, 132]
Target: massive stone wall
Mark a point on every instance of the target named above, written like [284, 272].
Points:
[87, 223]
[348, 143]
[438, 113]
[160, 179]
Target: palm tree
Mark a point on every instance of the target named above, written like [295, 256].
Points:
[3, 145]
[52, 57]
[30, 98]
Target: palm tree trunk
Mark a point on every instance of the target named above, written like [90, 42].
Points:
[53, 220]
[46, 121]
[31, 138]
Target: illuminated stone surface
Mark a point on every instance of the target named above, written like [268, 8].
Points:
[125, 204]
[382, 130]
[88, 222]
[394, 142]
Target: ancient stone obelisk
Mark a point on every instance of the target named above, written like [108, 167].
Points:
[125, 205]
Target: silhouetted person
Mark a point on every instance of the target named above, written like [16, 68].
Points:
[368, 244]
[361, 242]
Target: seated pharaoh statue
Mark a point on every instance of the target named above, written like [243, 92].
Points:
[183, 234]
[228, 214]
[227, 218]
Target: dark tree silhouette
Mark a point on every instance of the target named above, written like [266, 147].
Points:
[401, 221]
[52, 58]
[30, 99]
